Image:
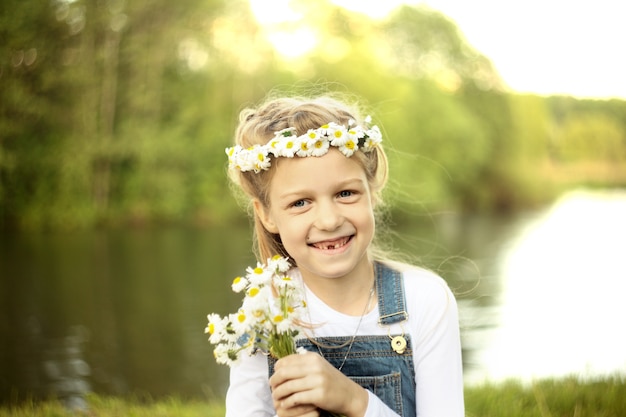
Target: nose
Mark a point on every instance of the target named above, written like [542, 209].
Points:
[328, 216]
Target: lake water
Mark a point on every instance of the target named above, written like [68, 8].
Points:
[540, 294]
[560, 309]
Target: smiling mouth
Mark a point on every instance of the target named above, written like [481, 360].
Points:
[332, 244]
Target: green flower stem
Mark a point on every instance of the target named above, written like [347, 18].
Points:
[281, 345]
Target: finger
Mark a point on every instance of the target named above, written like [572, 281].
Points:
[293, 360]
[291, 387]
[310, 397]
[302, 410]
[297, 366]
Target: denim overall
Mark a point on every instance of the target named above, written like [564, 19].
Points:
[371, 362]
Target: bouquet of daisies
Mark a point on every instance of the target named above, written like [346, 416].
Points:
[268, 319]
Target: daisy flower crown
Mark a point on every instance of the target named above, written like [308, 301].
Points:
[315, 142]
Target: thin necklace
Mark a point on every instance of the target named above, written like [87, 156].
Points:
[356, 331]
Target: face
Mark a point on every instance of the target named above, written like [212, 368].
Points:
[322, 209]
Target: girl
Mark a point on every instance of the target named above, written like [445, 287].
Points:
[384, 336]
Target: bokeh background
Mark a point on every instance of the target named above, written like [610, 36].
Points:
[118, 231]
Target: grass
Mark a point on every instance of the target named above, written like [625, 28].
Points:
[103, 406]
[548, 398]
[567, 397]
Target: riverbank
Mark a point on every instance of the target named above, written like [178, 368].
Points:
[551, 397]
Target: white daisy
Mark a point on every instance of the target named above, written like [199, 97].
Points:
[257, 299]
[217, 328]
[242, 321]
[278, 263]
[320, 147]
[227, 354]
[348, 147]
[304, 144]
[259, 275]
[339, 136]
[239, 284]
[287, 147]
[259, 158]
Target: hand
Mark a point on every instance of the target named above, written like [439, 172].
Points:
[302, 383]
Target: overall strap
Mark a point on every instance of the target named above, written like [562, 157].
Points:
[391, 299]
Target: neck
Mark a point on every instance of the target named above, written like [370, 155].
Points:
[347, 294]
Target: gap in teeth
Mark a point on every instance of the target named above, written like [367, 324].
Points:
[335, 245]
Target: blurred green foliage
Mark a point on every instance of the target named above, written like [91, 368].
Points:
[116, 113]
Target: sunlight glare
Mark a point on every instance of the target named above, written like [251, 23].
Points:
[271, 12]
[374, 8]
[284, 27]
[293, 44]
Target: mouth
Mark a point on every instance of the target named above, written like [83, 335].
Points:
[332, 244]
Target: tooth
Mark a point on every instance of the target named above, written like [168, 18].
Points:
[328, 246]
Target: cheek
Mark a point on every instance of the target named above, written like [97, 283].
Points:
[280, 223]
[368, 220]
[292, 231]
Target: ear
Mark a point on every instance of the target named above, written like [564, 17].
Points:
[262, 213]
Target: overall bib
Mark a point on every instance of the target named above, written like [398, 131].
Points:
[372, 361]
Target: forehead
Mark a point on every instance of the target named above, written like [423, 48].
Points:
[315, 173]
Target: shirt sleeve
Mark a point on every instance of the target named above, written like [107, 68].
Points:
[438, 361]
[377, 408]
[249, 393]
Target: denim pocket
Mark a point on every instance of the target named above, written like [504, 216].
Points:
[386, 387]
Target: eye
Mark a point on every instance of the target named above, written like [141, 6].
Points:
[345, 193]
[298, 204]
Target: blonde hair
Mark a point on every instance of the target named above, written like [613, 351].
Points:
[257, 126]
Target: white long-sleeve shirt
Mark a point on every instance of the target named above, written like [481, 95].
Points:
[434, 331]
